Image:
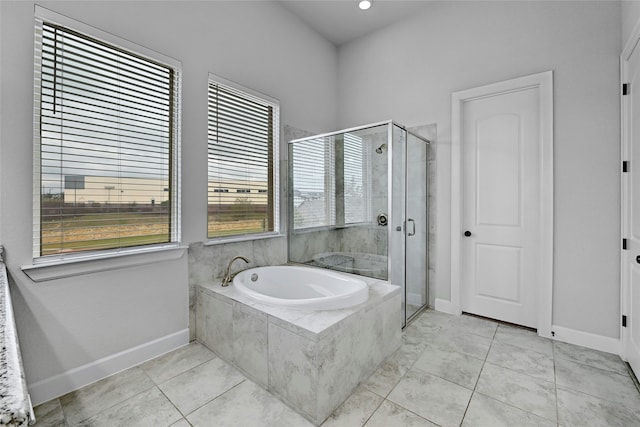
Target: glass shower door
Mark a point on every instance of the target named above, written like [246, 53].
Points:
[416, 228]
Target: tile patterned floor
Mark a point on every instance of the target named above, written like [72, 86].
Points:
[449, 371]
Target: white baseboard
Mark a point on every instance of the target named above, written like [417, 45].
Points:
[76, 378]
[444, 306]
[586, 339]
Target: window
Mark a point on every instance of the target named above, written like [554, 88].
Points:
[106, 141]
[243, 140]
[331, 176]
[357, 197]
[314, 182]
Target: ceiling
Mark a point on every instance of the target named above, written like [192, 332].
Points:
[340, 21]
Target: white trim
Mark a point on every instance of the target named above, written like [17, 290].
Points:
[444, 306]
[242, 238]
[625, 151]
[65, 21]
[76, 378]
[59, 269]
[43, 15]
[274, 103]
[586, 339]
[544, 82]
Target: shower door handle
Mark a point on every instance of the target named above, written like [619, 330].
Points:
[413, 228]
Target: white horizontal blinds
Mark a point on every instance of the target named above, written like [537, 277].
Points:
[241, 137]
[314, 183]
[106, 131]
[356, 181]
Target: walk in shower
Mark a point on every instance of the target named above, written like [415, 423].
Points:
[358, 204]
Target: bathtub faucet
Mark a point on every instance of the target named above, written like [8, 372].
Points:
[228, 277]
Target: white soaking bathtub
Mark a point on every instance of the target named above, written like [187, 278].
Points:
[300, 355]
[306, 288]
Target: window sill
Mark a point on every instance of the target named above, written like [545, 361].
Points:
[60, 269]
[245, 238]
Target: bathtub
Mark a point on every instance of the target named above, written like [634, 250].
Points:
[304, 288]
[312, 360]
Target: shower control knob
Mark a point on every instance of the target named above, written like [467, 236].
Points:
[467, 233]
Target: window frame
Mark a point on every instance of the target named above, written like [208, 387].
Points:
[334, 219]
[275, 150]
[53, 18]
[365, 180]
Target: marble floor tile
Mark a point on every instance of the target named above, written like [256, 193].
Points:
[531, 363]
[149, 408]
[587, 356]
[246, 405]
[356, 410]
[486, 412]
[433, 398]
[176, 362]
[192, 389]
[597, 382]
[577, 409]
[390, 414]
[419, 335]
[49, 414]
[522, 391]
[452, 366]
[383, 380]
[524, 338]
[461, 342]
[474, 325]
[95, 398]
[424, 382]
[431, 320]
[428, 322]
[463, 323]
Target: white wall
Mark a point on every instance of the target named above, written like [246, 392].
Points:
[408, 71]
[67, 323]
[630, 17]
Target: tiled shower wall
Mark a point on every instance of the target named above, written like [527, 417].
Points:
[372, 238]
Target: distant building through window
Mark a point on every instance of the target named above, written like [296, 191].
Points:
[107, 117]
[243, 156]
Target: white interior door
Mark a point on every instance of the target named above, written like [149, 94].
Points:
[631, 213]
[500, 216]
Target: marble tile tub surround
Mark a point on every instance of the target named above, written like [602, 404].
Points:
[312, 361]
[207, 264]
[438, 353]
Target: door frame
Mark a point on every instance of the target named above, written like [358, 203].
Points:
[544, 83]
[625, 187]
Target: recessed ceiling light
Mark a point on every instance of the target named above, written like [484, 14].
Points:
[364, 4]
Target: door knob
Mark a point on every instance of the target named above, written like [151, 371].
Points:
[467, 233]
[638, 259]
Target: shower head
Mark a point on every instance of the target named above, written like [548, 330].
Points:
[381, 148]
